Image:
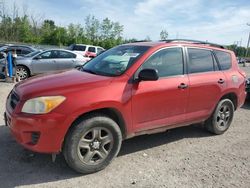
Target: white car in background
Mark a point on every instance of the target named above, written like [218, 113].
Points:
[86, 50]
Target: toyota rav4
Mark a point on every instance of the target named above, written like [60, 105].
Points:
[129, 90]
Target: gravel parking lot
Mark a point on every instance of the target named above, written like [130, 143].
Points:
[183, 157]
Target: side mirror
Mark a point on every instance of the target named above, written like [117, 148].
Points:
[148, 75]
[37, 58]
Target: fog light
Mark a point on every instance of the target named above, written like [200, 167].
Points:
[35, 137]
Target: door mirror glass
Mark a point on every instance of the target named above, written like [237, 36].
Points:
[148, 75]
[37, 57]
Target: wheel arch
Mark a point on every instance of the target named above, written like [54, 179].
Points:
[233, 97]
[112, 113]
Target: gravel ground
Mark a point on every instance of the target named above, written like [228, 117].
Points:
[182, 157]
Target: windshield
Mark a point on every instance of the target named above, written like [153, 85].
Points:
[32, 54]
[115, 61]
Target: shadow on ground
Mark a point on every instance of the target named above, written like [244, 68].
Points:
[246, 104]
[21, 167]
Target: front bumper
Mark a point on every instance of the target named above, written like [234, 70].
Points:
[39, 133]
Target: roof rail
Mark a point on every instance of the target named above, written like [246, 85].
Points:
[142, 40]
[194, 42]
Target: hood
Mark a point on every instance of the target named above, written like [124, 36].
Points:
[59, 83]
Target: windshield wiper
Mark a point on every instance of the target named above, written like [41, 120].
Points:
[89, 71]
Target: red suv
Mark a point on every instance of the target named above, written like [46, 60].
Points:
[133, 89]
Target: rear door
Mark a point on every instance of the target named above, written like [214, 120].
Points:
[206, 81]
[162, 102]
[66, 60]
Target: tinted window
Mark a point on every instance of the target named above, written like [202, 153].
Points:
[63, 54]
[91, 49]
[224, 59]
[167, 62]
[18, 52]
[79, 48]
[25, 51]
[200, 61]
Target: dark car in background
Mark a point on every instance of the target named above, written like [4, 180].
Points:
[21, 50]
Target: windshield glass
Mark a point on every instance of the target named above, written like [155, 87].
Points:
[32, 54]
[115, 61]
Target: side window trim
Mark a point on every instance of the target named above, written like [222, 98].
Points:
[187, 59]
[216, 61]
[184, 62]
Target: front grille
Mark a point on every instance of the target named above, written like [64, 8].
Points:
[35, 137]
[14, 99]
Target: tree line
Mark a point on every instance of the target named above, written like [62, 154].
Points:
[239, 50]
[25, 29]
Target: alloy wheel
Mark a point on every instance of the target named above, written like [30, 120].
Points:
[223, 117]
[95, 145]
[22, 73]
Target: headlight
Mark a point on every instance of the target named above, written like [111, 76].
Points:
[42, 105]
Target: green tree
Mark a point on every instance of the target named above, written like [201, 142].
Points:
[92, 29]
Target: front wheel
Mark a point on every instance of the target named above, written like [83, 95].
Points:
[92, 144]
[222, 117]
[22, 72]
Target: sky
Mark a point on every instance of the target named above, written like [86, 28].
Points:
[218, 21]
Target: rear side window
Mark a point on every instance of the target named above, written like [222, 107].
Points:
[63, 54]
[200, 60]
[25, 51]
[79, 48]
[224, 59]
[91, 49]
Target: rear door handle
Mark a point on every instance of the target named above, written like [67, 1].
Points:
[221, 81]
[182, 86]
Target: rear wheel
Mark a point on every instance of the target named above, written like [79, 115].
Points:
[92, 144]
[22, 72]
[222, 117]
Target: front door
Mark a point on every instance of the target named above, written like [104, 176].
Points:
[162, 102]
[45, 62]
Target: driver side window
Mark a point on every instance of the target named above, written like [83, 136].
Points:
[168, 62]
[46, 55]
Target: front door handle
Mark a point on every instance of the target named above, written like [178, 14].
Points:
[221, 81]
[182, 86]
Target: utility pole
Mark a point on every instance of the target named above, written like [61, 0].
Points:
[248, 42]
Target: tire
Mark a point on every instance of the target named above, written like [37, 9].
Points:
[92, 143]
[22, 72]
[221, 118]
